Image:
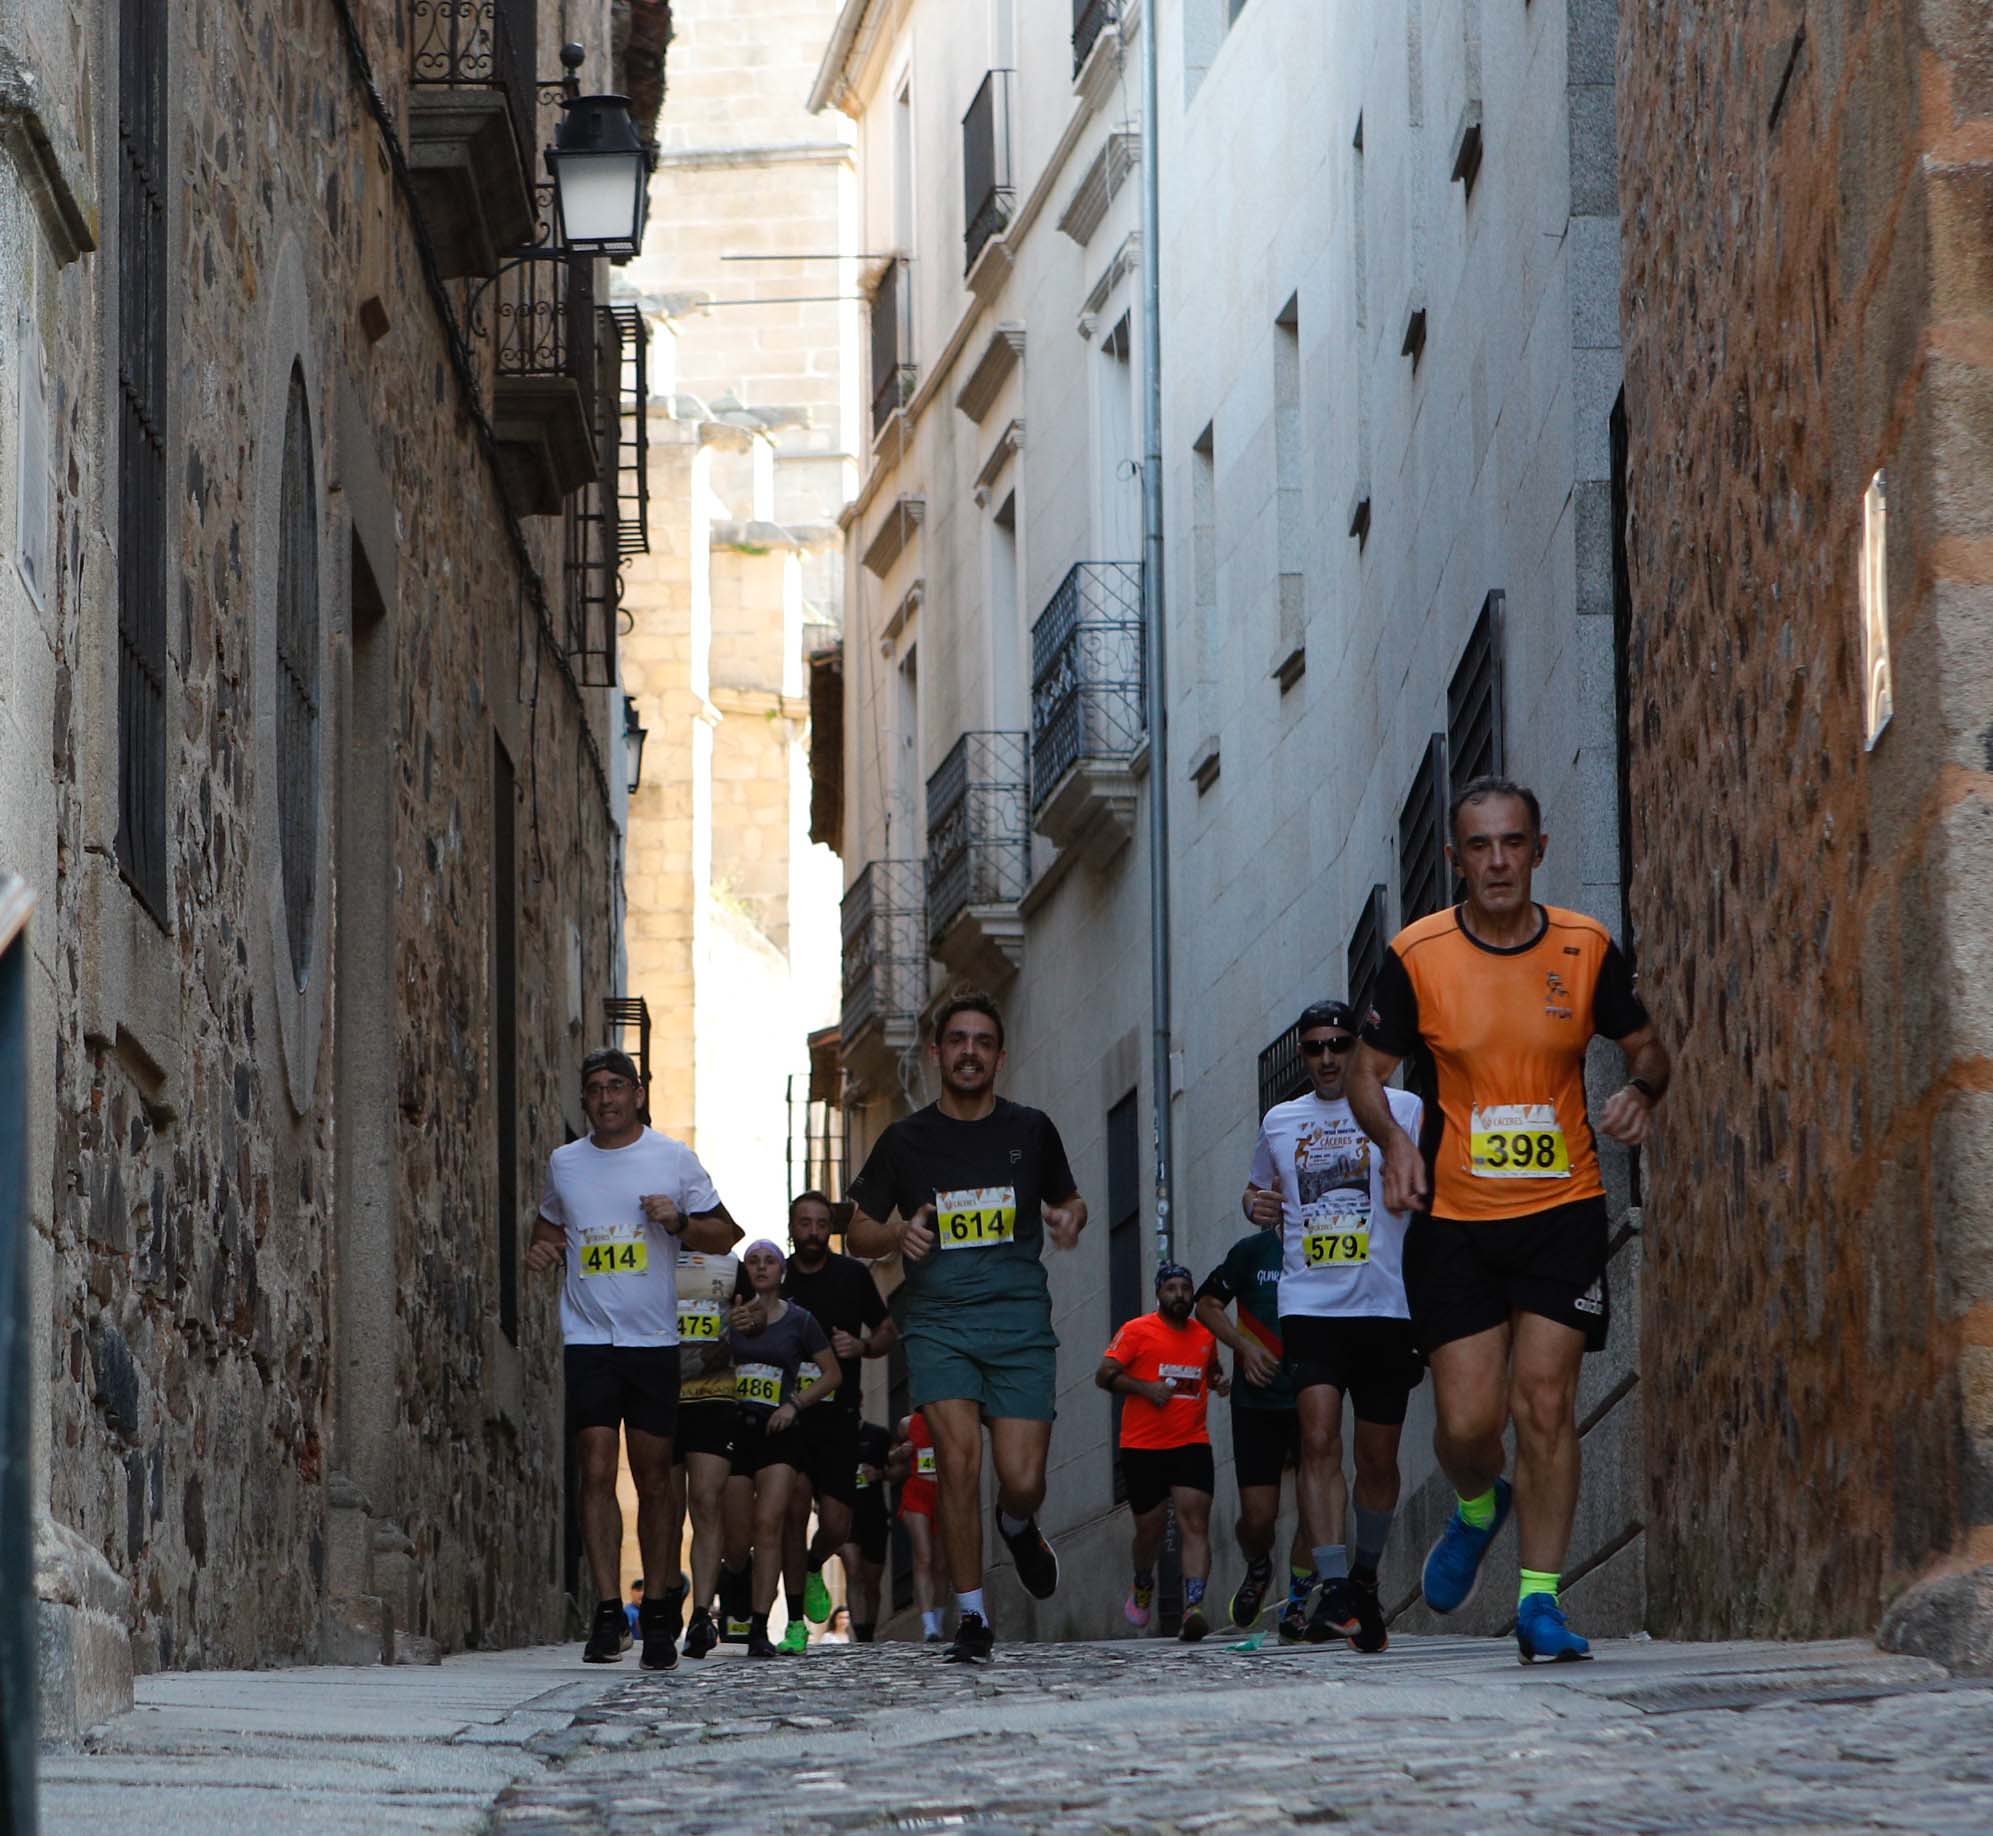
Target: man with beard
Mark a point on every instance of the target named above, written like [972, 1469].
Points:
[978, 1184]
[1166, 1365]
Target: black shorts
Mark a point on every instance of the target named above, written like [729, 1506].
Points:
[1151, 1471]
[1265, 1443]
[1462, 1278]
[755, 1448]
[828, 1438]
[1374, 1362]
[705, 1428]
[616, 1386]
[871, 1528]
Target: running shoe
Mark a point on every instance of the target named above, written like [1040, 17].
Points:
[760, 1645]
[674, 1609]
[1294, 1623]
[1251, 1597]
[816, 1598]
[1369, 1635]
[931, 1638]
[1453, 1564]
[703, 1636]
[1335, 1613]
[974, 1641]
[1135, 1609]
[1037, 1565]
[1194, 1626]
[1541, 1632]
[659, 1626]
[609, 1636]
[795, 1639]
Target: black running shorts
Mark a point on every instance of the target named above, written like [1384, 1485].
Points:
[705, 1428]
[1265, 1443]
[1463, 1278]
[827, 1438]
[616, 1386]
[1374, 1362]
[1152, 1471]
[755, 1447]
[871, 1529]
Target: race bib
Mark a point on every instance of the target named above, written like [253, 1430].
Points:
[615, 1256]
[1186, 1379]
[1332, 1241]
[699, 1322]
[923, 1462]
[977, 1217]
[759, 1384]
[1517, 1141]
[807, 1373]
[707, 1389]
[864, 1480]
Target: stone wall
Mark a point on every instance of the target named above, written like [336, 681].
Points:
[1808, 279]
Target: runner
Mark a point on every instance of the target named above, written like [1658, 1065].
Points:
[1165, 1364]
[864, 1556]
[978, 1183]
[768, 1356]
[618, 1205]
[1507, 1273]
[913, 1470]
[1266, 1426]
[1343, 1318]
[841, 1293]
[708, 1289]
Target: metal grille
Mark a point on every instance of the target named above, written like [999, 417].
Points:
[142, 164]
[596, 530]
[1366, 952]
[978, 826]
[632, 470]
[885, 945]
[892, 343]
[1283, 1074]
[297, 680]
[546, 321]
[1089, 16]
[1087, 673]
[480, 44]
[988, 186]
[1421, 827]
[816, 1144]
[621, 1014]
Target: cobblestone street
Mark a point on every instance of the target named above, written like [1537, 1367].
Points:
[1440, 1734]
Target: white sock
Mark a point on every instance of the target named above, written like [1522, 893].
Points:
[972, 1602]
[1012, 1526]
[930, 1621]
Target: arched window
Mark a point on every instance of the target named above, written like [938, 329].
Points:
[297, 680]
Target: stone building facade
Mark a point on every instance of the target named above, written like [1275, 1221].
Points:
[1808, 291]
[313, 756]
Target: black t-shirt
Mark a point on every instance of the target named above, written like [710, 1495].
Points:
[844, 1298]
[987, 1181]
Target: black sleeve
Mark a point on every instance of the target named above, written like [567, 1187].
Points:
[871, 1303]
[1393, 1025]
[1055, 1172]
[875, 1190]
[1218, 1284]
[1616, 1009]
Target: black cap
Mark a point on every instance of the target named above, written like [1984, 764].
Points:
[1328, 1013]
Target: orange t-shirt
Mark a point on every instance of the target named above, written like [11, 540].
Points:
[1507, 1030]
[1149, 1347]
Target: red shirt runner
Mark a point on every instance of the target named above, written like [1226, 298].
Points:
[1150, 1348]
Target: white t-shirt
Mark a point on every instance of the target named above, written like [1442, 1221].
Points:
[622, 1270]
[1342, 1253]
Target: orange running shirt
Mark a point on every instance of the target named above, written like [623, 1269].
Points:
[1507, 1030]
[1149, 1347]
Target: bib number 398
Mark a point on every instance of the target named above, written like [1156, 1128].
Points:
[1518, 1141]
[978, 1217]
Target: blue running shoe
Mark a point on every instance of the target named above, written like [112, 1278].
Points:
[1542, 1633]
[1453, 1564]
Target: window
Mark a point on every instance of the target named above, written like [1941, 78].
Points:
[1204, 764]
[1421, 838]
[903, 170]
[141, 460]
[1367, 944]
[504, 963]
[1120, 498]
[1010, 703]
[1124, 1242]
[297, 680]
[1290, 654]
[1474, 709]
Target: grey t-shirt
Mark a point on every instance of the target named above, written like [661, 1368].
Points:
[766, 1362]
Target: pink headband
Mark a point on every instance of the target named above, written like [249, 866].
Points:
[764, 1243]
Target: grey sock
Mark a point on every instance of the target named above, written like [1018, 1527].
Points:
[1331, 1561]
[1372, 1527]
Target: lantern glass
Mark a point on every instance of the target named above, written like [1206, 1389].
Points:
[601, 198]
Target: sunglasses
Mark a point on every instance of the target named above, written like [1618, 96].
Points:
[1314, 1048]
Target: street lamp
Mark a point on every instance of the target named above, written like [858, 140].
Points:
[634, 735]
[601, 170]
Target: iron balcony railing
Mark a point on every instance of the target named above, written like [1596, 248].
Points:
[892, 342]
[1087, 674]
[988, 184]
[1089, 16]
[885, 945]
[978, 826]
[480, 44]
[607, 522]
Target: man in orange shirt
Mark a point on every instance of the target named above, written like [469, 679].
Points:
[1505, 1262]
[1166, 1365]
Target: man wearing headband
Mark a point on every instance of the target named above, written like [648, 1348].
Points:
[618, 1206]
[1343, 1318]
[1164, 1365]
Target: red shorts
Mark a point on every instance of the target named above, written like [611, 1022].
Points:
[917, 1498]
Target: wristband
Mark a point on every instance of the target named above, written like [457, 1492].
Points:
[1646, 1089]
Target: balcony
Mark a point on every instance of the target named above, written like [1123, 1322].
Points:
[472, 138]
[608, 521]
[1089, 727]
[1089, 17]
[988, 185]
[885, 971]
[892, 344]
[544, 394]
[979, 856]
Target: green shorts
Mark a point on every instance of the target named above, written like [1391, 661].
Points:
[1003, 1358]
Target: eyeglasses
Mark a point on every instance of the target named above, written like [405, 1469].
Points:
[606, 1086]
[1341, 1043]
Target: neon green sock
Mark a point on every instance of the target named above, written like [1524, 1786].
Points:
[1535, 1581]
[1478, 1513]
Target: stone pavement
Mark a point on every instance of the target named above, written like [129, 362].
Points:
[1438, 1734]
